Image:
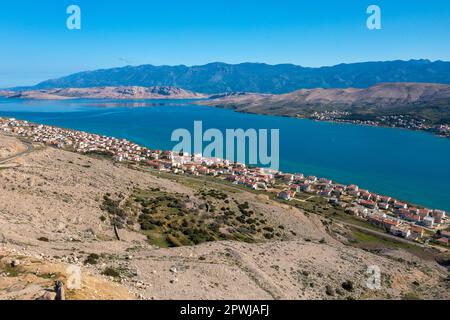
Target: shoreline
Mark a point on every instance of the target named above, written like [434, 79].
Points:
[445, 133]
[432, 131]
[410, 202]
[409, 197]
[283, 185]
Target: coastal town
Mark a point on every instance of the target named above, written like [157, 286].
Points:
[393, 121]
[395, 217]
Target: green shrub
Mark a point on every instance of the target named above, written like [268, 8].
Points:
[348, 286]
[111, 272]
[92, 259]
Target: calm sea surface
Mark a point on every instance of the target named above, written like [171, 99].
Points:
[413, 166]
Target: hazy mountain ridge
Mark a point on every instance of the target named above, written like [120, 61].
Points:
[258, 77]
[134, 92]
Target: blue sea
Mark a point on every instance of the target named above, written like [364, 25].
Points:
[411, 166]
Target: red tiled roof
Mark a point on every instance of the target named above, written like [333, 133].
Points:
[376, 218]
[416, 229]
[390, 222]
[368, 202]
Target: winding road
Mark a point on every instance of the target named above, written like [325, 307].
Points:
[29, 149]
[382, 234]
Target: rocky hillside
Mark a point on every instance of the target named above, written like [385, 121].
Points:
[157, 92]
[10, 147]
[4, 93]
[412, 98]
[58, 209]
[259, 77]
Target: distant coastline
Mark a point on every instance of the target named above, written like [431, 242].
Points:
[442, 131]
[414, 106]
[115, 93]
[323, 174]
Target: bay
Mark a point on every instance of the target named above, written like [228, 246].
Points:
[408, 165]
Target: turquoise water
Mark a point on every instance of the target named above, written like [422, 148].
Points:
[412, 166]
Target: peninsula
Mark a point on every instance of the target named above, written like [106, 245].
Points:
[118, 93]
[415, 106]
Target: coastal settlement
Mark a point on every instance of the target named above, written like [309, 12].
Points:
[395, 217]
[392, 121]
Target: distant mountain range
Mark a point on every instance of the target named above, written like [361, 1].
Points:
[419, 100]
[257, 77]
[131, 93]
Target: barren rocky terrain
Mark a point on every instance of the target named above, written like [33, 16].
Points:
[10, 147]
[422, 100]
[57, 209]
[123, 92]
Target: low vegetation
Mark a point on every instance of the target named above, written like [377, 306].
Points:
[111, 272]
[92, 259]
[8, 270]
[174, 220]
[117, 215]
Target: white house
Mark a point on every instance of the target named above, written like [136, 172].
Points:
[428, 221]
[286, 195]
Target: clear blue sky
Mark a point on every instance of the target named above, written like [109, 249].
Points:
[36, 45]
